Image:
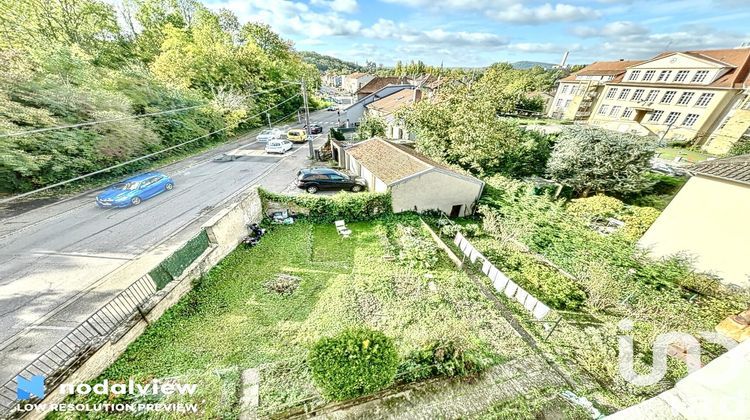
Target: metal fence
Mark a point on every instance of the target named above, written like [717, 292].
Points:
[76, 346]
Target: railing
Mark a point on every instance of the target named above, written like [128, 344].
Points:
[65, 355]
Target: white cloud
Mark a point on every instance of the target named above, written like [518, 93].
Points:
[388, 29]
[342, 6]
[537, 47]
[612, 29]
[546, 13]
[648, 45]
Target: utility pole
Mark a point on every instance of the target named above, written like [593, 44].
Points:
[268, 115]
[307, 119]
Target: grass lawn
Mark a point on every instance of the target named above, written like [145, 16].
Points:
[692, 156]
[231, 320]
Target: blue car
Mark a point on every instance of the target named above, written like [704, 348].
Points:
[132, 191]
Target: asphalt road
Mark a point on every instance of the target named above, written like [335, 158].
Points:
[53, 259]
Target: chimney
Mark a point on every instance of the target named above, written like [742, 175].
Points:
[564, 59]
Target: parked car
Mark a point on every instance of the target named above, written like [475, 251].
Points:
[315, 129]
[296, 135]
[133, 191]
[313, 180]
[278, 146]
[268, 134]
[332, 108]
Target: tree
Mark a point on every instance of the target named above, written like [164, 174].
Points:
[590, 159]
[371, 126]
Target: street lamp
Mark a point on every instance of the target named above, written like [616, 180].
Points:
[303, 87]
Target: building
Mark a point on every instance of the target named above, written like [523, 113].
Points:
[354, 82]
[355, 111]
[708, 219]
[387, 107]
[696, 97]
[416, 182]
[377, 83]
[577, 93]
[332, 80]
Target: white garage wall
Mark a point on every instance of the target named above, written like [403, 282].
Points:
[435, 190]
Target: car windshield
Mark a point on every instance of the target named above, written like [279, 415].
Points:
[125, 186]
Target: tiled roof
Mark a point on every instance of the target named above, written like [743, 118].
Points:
[391, 162]
[736, 58]
[386, 161]
[378, 83]
[356, 75]
[606, 68]
[395, 101]
[735, 168]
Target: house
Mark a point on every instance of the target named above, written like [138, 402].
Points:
[353, 82]
[377, 83]
[332, 80]
[577, 93]
[699, 97]
[708, 219]
[387, 107]
[416, 182]
[355, 111]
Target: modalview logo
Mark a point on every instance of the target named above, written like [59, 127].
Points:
[27, 389]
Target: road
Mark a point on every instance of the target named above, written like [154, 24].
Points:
[54, 259]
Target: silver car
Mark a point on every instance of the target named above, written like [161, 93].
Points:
[269, 134]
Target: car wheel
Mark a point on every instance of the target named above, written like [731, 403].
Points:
[312, 189]
[357, 188]
[169, 187]
[135, 201]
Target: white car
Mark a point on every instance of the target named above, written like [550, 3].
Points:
[278, 146]
[269, 134]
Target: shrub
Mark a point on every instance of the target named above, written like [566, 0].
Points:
[355, 362]
[638, 220]
[416, 250]
[441, 358]
[598, 207]
[468, 230]
[348, 206]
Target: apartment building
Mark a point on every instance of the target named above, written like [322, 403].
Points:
[577, 93]
[697, 97]
[354, 82]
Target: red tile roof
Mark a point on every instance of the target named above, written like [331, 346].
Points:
[378, 83]
[395, 101]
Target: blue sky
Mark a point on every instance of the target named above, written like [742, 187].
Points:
[470, 33]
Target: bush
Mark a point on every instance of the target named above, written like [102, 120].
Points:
[355, 362]
[598, 207]
[441, 358]
[741, 147]
[638, 220]
[416, 250]
[348, 206]
[468, 230]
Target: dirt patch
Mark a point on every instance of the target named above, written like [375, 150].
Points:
[283, 284]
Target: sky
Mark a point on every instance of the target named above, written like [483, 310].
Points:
[476, 33]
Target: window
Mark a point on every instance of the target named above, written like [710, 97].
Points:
[611, 93]
[565, 89]
[655, 116]
[648, 75]
[603, 110]
[685, 98]
[747, 104]
[699, 76]
[567, 103]
[559, 103]
[628, 113]
[690, 120]
[704, 99]
[681, 76]
[652, 95]
[637, 95]
[615, 111]
[634, 75]
[664, 75]
[624, 94]
[668, 96]
[672, 118]
[574, 89]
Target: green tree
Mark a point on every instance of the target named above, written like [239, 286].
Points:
[371, 126]
[589, 159]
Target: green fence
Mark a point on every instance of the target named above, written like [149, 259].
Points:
[175, 264]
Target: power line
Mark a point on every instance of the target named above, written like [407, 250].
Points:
[129, 117]
[78, 178]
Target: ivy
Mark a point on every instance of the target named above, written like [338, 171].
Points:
[325, 209]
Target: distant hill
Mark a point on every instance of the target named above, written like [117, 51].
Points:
[328, 63]
[524, 65]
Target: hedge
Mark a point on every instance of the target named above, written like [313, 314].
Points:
[347, 206]
[174, 265]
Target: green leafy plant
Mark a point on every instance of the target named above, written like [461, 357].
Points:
[441, 358]
[598, 207]
[347, 206]
[416, 249]
[355, 362]
[638, 220]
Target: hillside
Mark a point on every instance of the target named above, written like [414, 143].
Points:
[524, 65]
[328, 63]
